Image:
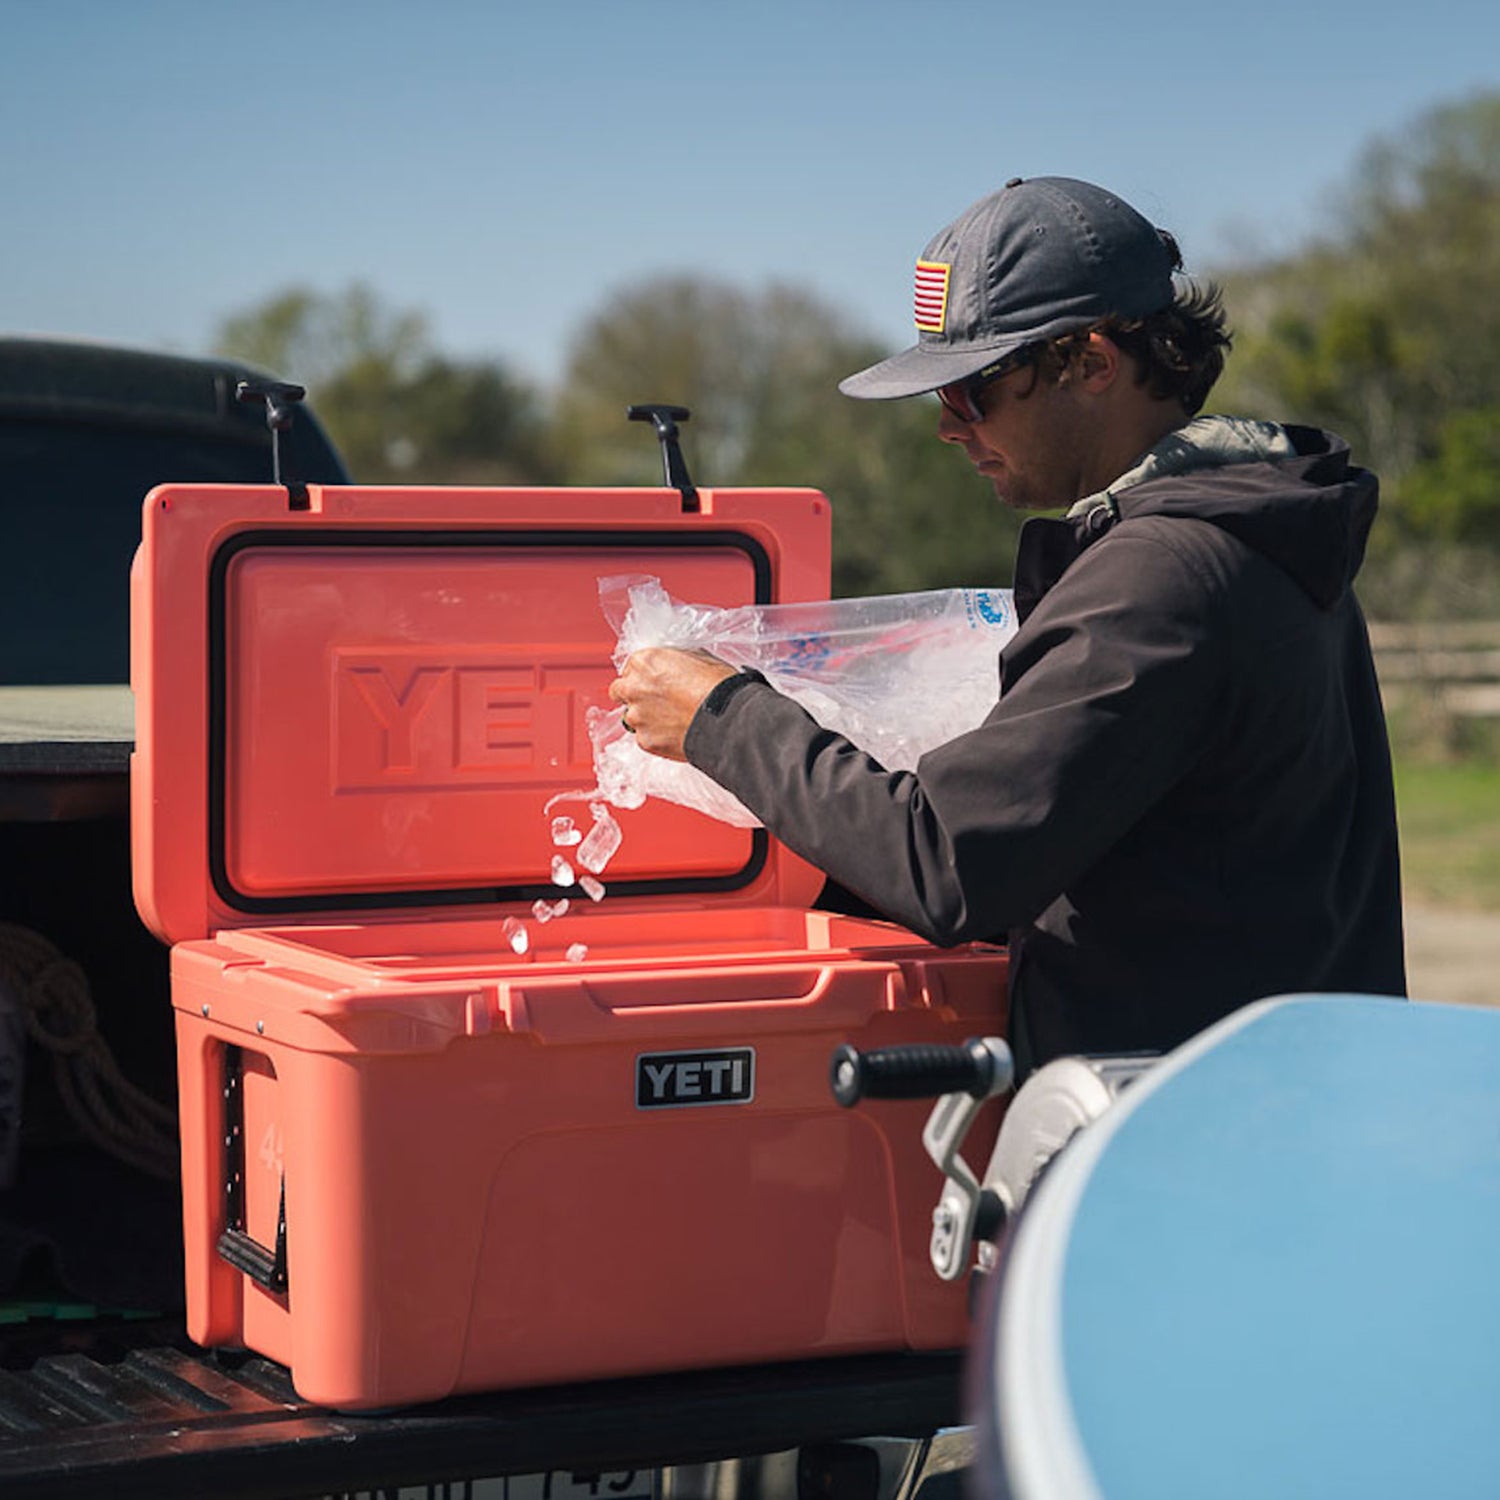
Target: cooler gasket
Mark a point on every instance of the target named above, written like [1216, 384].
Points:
[317, 536]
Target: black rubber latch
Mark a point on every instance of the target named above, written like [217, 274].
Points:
[674, 466]
[281, 401]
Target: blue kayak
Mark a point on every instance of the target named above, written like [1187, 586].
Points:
[1271, 1269]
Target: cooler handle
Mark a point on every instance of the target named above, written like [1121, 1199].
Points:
[265, 1267]
[711, 1002]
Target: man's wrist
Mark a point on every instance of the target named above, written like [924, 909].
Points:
[703, 733]
[721, 692]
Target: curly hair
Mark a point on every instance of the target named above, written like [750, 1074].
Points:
[1179, 351]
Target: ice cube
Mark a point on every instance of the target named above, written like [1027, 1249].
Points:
[565, 832]
[562, 871]
[544, 911]
[593, 889]
[576, 953]
[601, 841]
[514, 932]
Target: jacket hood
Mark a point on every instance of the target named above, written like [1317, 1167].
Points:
[1290, 493]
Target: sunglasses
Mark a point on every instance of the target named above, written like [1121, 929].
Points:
[961, 397]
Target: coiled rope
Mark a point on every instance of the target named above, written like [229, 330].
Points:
[53, 994]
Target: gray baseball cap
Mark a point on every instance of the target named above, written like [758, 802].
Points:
[1043, 256]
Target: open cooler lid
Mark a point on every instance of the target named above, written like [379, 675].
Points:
[363, 706]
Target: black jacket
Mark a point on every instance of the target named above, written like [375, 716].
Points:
[1182, 801]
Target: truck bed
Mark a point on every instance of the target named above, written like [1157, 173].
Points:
[133, 1410]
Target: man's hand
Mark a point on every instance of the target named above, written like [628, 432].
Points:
[662, 688]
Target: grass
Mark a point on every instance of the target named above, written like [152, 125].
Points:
[1449, 816]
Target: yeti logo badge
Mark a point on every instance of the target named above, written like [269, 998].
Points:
[665, 1080]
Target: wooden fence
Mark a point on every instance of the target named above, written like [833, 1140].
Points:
[1455, 666]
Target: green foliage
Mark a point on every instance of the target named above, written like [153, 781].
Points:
[678, 340]
[312, 337]
[1389, 331]
[1429, 579]
[1455, 494]
[398, 411]
[445, 423]
[760, 373]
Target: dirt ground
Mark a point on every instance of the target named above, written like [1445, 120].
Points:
[1453, 955]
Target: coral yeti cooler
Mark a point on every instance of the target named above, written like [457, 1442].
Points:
[416, 1161]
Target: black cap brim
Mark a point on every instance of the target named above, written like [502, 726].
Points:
[923, 368]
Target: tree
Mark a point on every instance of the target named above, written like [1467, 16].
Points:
[1389, 330]
[397, 410]
[1455, 494]
[760, 371]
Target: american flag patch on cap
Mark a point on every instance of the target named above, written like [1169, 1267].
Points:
[932, 295]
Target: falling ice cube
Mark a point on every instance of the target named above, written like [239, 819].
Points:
[576, 953]
[562, 871]
[565, 832]
[544, 911]
[593, 889]
[514, 932]
[601, 841]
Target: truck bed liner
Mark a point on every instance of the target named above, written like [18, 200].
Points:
[167, 1421]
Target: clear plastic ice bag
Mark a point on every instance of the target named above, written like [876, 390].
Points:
[898, 674]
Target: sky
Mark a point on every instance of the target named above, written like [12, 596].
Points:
[505, 168]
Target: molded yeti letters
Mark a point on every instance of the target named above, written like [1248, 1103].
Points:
[669, 1079]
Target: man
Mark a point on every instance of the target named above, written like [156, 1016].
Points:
[1182, 800]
